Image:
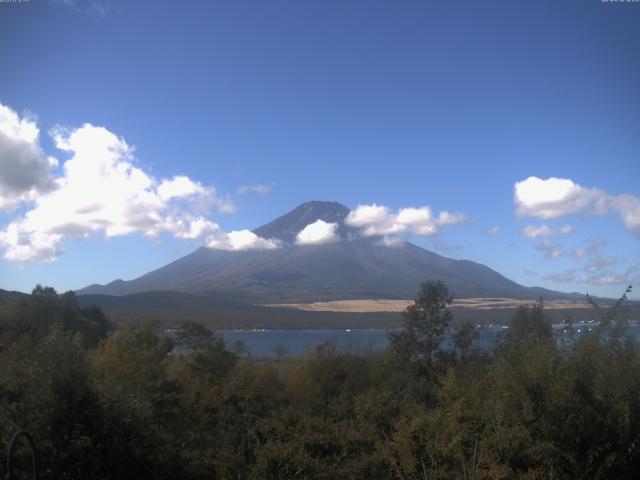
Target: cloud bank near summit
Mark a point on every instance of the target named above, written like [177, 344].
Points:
[102, 189]
[318, 233]
[379, 220]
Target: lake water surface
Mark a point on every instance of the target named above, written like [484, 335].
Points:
[298, 342]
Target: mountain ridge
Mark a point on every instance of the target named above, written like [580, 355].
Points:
[354, 267]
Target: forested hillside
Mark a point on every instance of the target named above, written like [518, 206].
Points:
[113, 404]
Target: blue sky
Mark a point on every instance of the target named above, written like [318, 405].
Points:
[399, 104]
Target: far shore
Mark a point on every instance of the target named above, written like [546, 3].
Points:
[368, 305]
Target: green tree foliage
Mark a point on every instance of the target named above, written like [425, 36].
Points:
[616, 312]
[138, 403]
[463, 337]
[207, 357]
[423, 326]
[35, 316]
[529, 322]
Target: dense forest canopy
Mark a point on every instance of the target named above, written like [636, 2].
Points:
[105, 403]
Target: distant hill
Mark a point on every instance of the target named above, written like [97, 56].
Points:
[6, 295]
[355, 267]
[171, 308]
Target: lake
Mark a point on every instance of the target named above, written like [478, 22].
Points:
[295, 343]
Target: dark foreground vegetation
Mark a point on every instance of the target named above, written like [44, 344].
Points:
[116, 404]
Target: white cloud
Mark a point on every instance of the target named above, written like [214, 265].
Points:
[317, 233]
[102, 190]
[203, 197]
[551, 250]
[416, 220]
[190, 228]
[448, 218]
[553, 197]
[628, 207]
[493, 230]
[25, 172]
[22, 245]
[240, 240]
[557, 197]
[379, 220]
[532, 231]
[179, 186]
[373, 219]
[391, 241]
[259, 188]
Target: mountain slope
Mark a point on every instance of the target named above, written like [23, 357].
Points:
[8, 295]
[355, 267]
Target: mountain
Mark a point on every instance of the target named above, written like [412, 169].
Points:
[355, 267]
[286, 227]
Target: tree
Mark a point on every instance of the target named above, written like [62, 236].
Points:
[463, 338]
[193, 334]
[280, 351]
[529, 322]
[240, 349]
[612, 319]
[423, 326]
[34, 317]
[208, 356]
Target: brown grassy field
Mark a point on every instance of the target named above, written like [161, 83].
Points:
[375, 305]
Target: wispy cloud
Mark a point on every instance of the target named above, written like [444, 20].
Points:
[628, 277]
[493, 230]
[532, 231]
[587, 277]
[579, 252]
[593, 246]
[98, 8]
[599, 263]
[550, 249]
[259, 188]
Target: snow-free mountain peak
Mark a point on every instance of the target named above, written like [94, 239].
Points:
[287, 227]
[354, 267]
